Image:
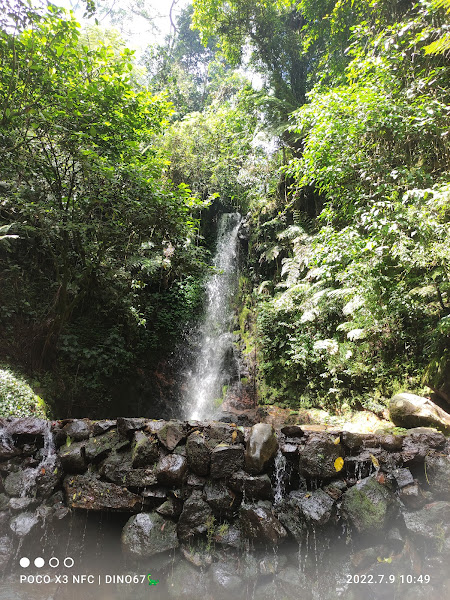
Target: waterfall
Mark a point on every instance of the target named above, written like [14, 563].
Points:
[211, 371]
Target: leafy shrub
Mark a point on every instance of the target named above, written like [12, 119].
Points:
[17, 398]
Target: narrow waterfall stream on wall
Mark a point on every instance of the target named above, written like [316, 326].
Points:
[215, 365]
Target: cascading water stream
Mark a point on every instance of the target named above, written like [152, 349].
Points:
[211, 372]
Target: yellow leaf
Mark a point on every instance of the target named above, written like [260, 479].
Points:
[337, 440]
[74, 496]
[375, 462]
[234, 435]
[339, 463]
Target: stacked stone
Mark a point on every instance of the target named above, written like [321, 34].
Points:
[187, 481]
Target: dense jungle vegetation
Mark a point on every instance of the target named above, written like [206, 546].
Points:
[114, 168]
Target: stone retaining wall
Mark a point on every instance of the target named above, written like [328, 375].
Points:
[202, 488]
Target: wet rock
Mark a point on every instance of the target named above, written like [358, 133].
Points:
[171, 434]
[140, 478]
[28, 427]
[154, 497]
[335, 489]
[409, 410]
[418, 442]
[84, 491]
[272, 564]
[226, 460]
[171, 470]
[391, 442]
[147, 534]
[16, 483]
[170, 508]
[426, 436]
[116, 467]
[125, 426]
[293, 431]
[154, 425]
[98, 447]
[73, 457]
[198, 453]
[222, 500]
[145, 450]
[368, 556]
[403, 477]
[185, 582]
[99, 427]
[22, 524]
[48, 478]
[6, 551]
[291, 583]
[196, 517]
[290, 516]
[395, 539]
[197, 556]
[225, 580]
[77, 430]
[258, 523]
[317, 458]
[438, 474]
[4, 501]
[254, 487]
[7, 450]
[196, 482]
[412, 496]
[368, 505]
[432, 521]
[224, 433]
[261, 447]
[316, 507]
[21, 504]
[352, 440]
[288, 449]
[227, 535]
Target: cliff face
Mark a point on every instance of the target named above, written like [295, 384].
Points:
[213, 494]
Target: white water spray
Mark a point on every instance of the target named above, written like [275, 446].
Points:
[210, 371]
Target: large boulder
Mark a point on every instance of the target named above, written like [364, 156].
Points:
[147, 534]
[409, 410]
[262, 446]
[368, 505]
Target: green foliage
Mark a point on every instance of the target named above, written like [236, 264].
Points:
[106, 239]
[363, 302]
[213, 151]
[17, 398]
